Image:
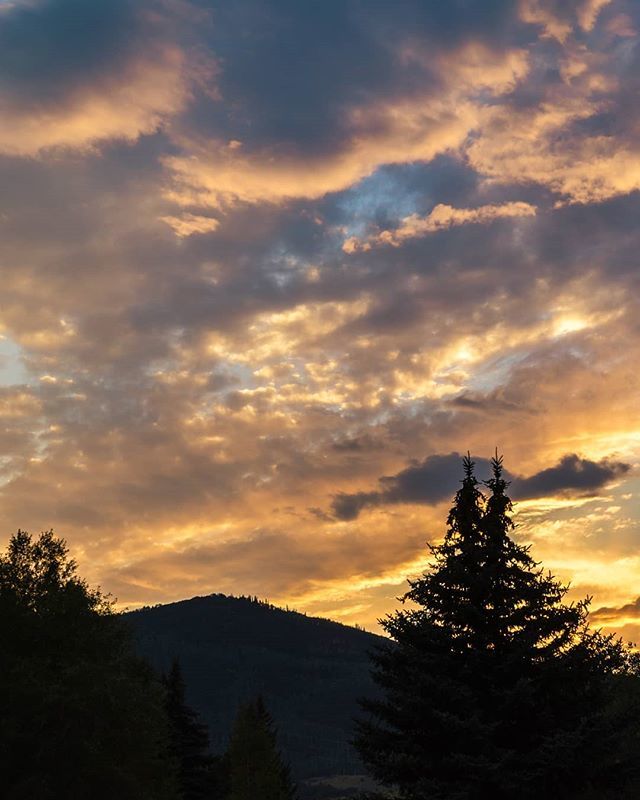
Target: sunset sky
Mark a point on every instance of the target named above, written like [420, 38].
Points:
[269, 268]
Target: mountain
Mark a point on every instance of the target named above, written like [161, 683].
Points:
[310, 672]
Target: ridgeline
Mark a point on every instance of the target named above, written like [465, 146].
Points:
[310, 671]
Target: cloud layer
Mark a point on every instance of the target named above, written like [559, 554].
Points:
[257, 255]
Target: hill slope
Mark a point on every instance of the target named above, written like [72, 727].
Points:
[309, 670]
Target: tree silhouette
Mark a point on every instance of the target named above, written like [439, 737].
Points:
[255, 766]
[80, 714]
[198, 771]
[493, 687]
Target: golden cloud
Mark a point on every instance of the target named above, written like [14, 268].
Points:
[189, 224]
[560, 25]
[136, 102]
[215, 175]
[190, 415]
[529, 147]
[440, 218]
[219, 173]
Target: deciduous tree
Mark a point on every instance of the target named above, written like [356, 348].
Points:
[80, 714]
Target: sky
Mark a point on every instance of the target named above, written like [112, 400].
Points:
[269, 267]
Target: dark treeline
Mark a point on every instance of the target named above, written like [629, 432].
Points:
[309, 670]
[491, 686]
[83, 716]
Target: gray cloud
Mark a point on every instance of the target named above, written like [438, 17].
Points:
[301, 67]
[427, 482]
[574, 476]
[50, 48]
[437, 478]
[607, 614]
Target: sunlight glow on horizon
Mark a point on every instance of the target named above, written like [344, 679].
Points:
[252, 273]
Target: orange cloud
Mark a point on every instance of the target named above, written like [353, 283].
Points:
[136, 102]
[529, 147]
[588, 12]
[188, 224]
[218, 173]
[442, 217]
[215, 175]
[114, 72]
[556, 19]
[192, 403]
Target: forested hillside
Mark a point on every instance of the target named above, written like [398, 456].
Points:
[310, 671]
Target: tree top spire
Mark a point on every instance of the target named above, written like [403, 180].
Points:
[497, 483]
[469, 465]
[496, 464]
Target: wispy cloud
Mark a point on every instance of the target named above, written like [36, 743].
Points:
[440, 218]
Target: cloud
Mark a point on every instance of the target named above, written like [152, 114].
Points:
[291, 565]
[558, 20]
[216, 175]
[96, 71]
[188, 224]
[196, 362]
[440, 218]
[430, 481]
[397, 128]
[629, 612]
[572, 475]
[584, 169]
[437, 478]
[560, 129]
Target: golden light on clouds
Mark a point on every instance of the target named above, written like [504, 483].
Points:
[441, 217]
[147, 94]
[261, 287]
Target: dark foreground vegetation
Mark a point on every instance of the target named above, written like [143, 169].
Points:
[310, 672]
[491, 685]
[83, 716]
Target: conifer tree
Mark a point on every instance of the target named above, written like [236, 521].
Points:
[493, 687]
[255, 766]
[198, 771]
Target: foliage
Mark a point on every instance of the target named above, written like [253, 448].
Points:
[493, 686]
[255, 766]
[80, 714]
[199, 773]
[230, 649]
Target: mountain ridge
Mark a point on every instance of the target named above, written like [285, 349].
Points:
[310, 671]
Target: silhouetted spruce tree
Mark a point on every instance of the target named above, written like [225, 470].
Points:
[254, 764]
[199, 773]
[80, 714]
[492, 686]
